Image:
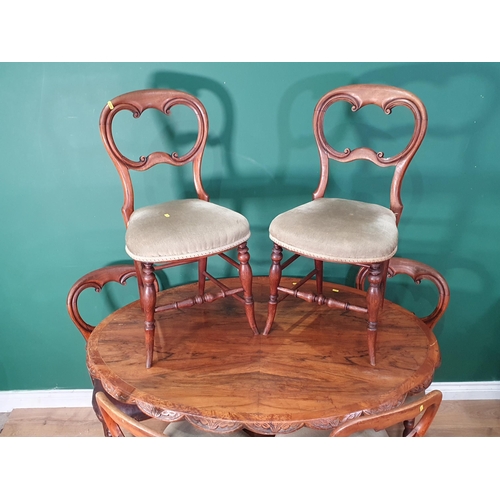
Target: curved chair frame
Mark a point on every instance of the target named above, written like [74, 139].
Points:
[429, 405]
[358, 96]
[116, 420]
[164, 100]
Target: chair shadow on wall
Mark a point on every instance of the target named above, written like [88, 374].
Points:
[223, 182]
[451, 231]
[288, 188]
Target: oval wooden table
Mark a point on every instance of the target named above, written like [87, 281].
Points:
[312, 369]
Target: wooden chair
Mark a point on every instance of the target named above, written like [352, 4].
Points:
[427, 407]
[97, 280]
[117, 421]
[180, 231]
[342, 230]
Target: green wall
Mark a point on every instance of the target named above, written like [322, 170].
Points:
[61, 196]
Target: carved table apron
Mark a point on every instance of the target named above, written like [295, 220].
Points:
[312, 369]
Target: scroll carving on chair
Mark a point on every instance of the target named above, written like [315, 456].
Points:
[181, 231]
[343, 230]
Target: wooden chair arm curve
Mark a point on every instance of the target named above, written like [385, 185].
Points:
[95, 279]
[428, 406]
[418, 272]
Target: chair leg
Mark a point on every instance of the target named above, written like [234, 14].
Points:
[245, 272]
[377, 276]
[202, 269]
[318, 265]
[408, 426]
[140, 283]
[148, 304]
[274, 281]
[385, 271]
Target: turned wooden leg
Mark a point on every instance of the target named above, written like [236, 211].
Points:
[202, 269]
[318, 265]
[408, 426]
[384, 271]
[274, 281]
[140, 282]
[246, 283]
[374, 300]
[148, 303]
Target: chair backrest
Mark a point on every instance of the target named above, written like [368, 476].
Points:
[387, 98]
[117, 421]
[95, 279]
[427, 406]
[137, 102]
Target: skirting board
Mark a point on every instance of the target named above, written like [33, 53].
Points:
[78, 398]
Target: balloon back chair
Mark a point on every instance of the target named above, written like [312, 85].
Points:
[344, 230]
[97, 280]
[424, 409]
[181, 231]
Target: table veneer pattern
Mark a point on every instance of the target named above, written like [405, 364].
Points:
[313, 369]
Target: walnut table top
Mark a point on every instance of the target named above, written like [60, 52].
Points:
[311, 370]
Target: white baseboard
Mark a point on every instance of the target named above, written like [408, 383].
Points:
[79, 398]
[467, 390]
[54, 398]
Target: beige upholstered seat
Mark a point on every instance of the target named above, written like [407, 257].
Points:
[343, 230]
[336, 230]
[176, 232]
[183, 229]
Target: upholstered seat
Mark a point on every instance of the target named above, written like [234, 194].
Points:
[183, 229]
[336, 230]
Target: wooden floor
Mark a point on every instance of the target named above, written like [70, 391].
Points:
[454, 419]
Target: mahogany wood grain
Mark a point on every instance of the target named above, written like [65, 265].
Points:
[313, 371]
